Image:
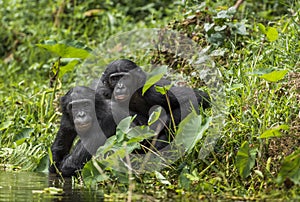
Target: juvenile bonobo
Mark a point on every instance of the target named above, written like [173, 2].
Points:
[85, 114]
[126, 80]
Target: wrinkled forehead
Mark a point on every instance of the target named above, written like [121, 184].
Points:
[82, 93]
[81, 103]
[119, 74]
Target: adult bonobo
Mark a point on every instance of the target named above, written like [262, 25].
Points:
[126, 81]
[87, 115]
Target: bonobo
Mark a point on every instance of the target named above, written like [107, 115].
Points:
[126, 80]
[85, 114]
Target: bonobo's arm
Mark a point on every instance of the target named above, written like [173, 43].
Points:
[63, 142]
[181, 100]
[75, 161]
[176, 96]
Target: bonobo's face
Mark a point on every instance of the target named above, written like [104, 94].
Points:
[122, 86]
[83, 111]
[115, 77]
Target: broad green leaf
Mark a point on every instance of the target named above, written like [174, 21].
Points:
[190, 130]
[163, 89]
[245, 160]
[66, 49]
[274, 76]
[68, 67]
[262, 28]
[274, 132]
[262, 71]
[290, 168]
[208, 26]
[23, 135]
[50, 190]
[91, 175]
[223, 14]
[21, 141]
[220, 28]
[6, 125]
[161, 178]
[139, 133]
[124, 124]
[154, 77]
[183, 180]
[154, 116]
[272, 34]
[108, 146]
[113, 159]
[43, 164]
[235, 87]
[241, 29]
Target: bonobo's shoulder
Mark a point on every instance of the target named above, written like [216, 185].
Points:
[163, 82]
[102, 90]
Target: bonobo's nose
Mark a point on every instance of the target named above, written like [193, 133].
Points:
[81, 114]
[120, 85]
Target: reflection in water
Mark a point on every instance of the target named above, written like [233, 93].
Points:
[18, 186]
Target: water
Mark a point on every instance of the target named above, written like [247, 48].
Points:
[25, 186]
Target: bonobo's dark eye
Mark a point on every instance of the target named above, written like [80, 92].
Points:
[69, 106]
[114, 78]
[86, 104]
[80, 104]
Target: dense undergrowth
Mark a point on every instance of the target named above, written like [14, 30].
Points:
[256, 50]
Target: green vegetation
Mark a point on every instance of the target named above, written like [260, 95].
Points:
[256, 49]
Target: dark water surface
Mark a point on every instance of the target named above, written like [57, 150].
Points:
[25, 186]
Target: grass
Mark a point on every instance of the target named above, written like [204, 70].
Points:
[29, 118]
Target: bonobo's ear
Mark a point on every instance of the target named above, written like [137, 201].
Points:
[139, 76]
[69, 106]
[65, 100]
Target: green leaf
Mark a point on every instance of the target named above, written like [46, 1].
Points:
[262, 28]
[208, 26]
[139, 133]
[163, 89]
[262, 71]
[23, 135]
[43, 165]
[245, 160]
[161, 178]
[108, 146]
[68, 67]
[274, 132]
[272, 34]
[183, 180]
[50, 190]
[241, 29]
[190, 130]
[235, 87]
[223, 15]
[274, 76]
[154, 77]
[154, 116]
[6, 125]
[66, 49]
[290, 168]
[124, 124]
[91, 175]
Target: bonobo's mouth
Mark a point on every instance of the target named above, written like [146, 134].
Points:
[121, 97]
[83, 127]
